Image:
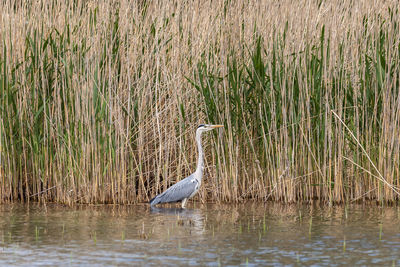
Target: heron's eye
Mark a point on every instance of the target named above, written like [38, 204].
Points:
[201, 125]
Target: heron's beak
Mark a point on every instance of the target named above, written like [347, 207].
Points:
[217, 126]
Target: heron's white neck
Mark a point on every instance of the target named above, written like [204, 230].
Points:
[200, 161]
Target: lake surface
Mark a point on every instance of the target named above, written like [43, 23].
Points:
[209, 235]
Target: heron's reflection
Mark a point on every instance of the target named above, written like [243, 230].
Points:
[183, 217]
[172, 211]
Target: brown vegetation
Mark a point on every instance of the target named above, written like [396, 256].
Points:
[99, 100]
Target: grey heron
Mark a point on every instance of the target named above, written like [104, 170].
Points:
[188, 187]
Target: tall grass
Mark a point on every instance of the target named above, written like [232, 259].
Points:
[99, 101]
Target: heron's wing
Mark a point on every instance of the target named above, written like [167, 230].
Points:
[179, 191]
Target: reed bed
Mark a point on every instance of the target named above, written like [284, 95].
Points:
[100, 100]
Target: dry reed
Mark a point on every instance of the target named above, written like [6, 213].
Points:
[99, 100]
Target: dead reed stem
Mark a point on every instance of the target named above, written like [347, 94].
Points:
[380, 177]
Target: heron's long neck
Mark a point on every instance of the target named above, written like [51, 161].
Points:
[200, 161]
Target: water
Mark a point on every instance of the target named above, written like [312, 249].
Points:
[213, 235]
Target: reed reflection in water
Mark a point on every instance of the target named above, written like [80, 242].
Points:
[248, 234]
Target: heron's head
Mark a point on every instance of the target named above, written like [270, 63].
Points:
[208, 127]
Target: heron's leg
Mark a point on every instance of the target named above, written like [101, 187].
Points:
[184, 202]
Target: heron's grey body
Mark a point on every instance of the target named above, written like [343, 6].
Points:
[181, 191]
[188, 187]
